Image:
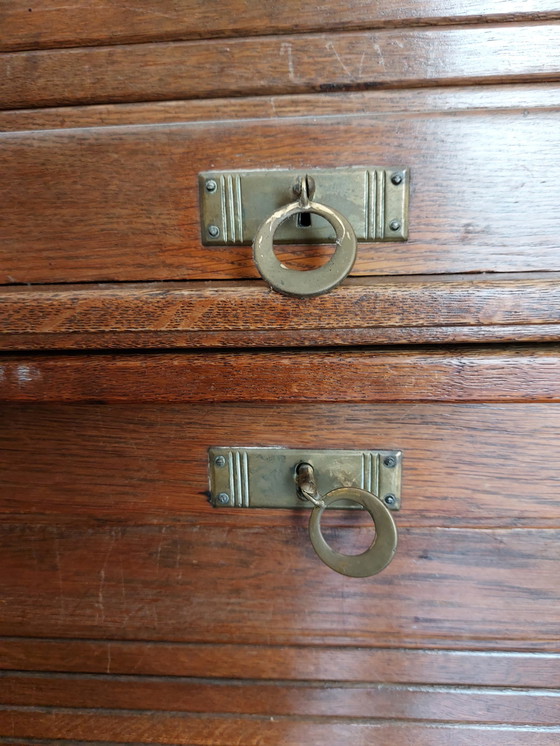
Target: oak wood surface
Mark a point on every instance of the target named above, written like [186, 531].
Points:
[209, 730]
[229, 313]
[281, 64]
[147, 464]
[131, 611]
[471, 374]
[121, 203]
[50, 24]
[466, 588]
[285, 338]
[299, 699]
[285, 663]
[374, 102]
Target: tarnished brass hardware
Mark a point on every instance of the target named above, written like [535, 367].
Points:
[315, 281]
[306, 485]
[290, 478]
[380, 552]
[235, 203]
[265, 477]
[384, 545]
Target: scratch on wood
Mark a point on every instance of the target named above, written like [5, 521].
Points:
[380, 57]
[332, 48]
[286, 49]
[362, 60]
[59, 577]
[100, 594]
[160, 544]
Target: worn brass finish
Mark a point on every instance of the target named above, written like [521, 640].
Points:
[380, 552]
[265, 477]
[316, 281]
[233, 204]
[306, 485]
[290, 478]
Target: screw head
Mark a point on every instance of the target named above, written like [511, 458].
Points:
[395, 225]
[223, 498]
[396, 178]
[213, 231]
[220, 461]
[390, 461]
[390, 499]
[211, 186]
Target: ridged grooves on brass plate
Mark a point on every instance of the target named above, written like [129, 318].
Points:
[230, 195]
[370, 472]
[239, 478]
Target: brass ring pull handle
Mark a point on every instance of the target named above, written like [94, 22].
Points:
[305, 284]
[382, 549]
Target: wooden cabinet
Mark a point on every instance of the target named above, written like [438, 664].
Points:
[132, 611]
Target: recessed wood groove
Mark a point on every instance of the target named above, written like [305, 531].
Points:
[118, 712]
[373, 686]
[381, 103]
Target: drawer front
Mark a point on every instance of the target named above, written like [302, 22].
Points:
[121, 202]
[476, 563]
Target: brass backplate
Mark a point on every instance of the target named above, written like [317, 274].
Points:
[265, 477]
[233, 204]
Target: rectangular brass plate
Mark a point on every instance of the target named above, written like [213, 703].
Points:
[233, 204]
[264, 477]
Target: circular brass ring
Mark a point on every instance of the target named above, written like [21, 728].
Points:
[311, 282]
[382, 549]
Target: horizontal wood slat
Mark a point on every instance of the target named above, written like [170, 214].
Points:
[121, 203]
[304, 699]
[283, 338]
[515, 373]
[297, 663]
[139, 464]
[200, 313]
[251, 585]
[281, 64]
[50, 24]
[208, 730]
[372, 103]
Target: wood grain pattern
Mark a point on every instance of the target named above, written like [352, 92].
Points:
[296, 63]
[252, 585]
[521, 373]
[208, 730]
[144, 464]
[50, 24]
[201, 312]
[130, 610]
[373, 103]
[282, 338]
[302, 699]
[285, 663]
[121, 203]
